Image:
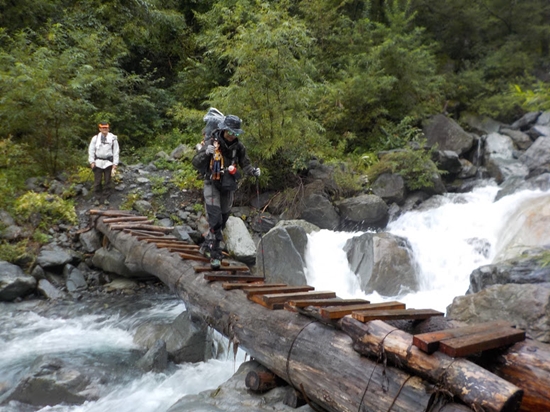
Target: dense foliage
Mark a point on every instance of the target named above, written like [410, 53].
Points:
[320, 78]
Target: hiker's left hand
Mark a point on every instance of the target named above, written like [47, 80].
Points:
[256, 172]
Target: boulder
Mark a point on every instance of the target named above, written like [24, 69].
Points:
[187, 339]
[447, 134]
[90, 240]
[14, 283]
[390, 187]
[524, 305]
[279, 259]
[526, 269]
[383, 263]
[318, 210]
[53, 257]
[238, 241]
[48, 290]
[363, 212]
[156, 358]
[537, 157]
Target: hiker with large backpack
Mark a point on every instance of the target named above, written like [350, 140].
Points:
[103, 154]
[220, 160]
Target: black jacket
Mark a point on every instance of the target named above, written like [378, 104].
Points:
[233, 153]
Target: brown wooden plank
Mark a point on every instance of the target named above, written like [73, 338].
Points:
[178, 248]
[139, 226]
[165, 239]
[134, 218]
[222, 275]
[277, 289]
[480, 341]
[122, 225]
[302, 303]
[148, 234]
[240, 285]
[110, 212]
[397, 314]
[198, 257]
[277, 300]
[338, 312]
[429, 342]
[226, 267]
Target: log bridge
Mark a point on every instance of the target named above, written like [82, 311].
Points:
[341, 354]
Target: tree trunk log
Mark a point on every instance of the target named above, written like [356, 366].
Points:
[471, 383]
[312, 357]
[262, 381]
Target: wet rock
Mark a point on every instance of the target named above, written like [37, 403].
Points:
[383, 263]
[52, 384]
[49, 291]
[233, 395]
[319, 210]
[363, 212]
[74, 279]
[14, 283]
[238, 241]
[156, 358]
[53, 257]
[90, 240]
[275, 244]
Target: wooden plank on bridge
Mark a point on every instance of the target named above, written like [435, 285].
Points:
[166, 240]
[338, 312]
[139, 226]
[197, 256]
[302, 303]
[225, 267]
[397, 314]
[135, 218]
[223, 275]
[429, 342]
[242, 285]
[122, 225]
[480, 341]
[110, 212]
[277, 300]
[178, 248]
[148, 234]
[277, 289]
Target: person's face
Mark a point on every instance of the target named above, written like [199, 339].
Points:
[229, 135]
[104, 129]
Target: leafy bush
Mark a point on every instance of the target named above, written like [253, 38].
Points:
[81, 175]
[187, 178]
[15, 168]
[415, 166]
[158, 186]
[131, 199]
[51, 209]
[11, 252]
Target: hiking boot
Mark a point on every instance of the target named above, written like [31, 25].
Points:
[205, 249]
[215, 264]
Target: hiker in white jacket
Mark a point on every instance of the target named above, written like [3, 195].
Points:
[103, 155]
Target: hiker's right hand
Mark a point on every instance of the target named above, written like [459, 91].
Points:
[210, 149]
[92, 165]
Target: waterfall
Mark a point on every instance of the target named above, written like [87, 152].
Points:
[448, 241]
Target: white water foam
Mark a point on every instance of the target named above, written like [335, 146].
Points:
[448, 243]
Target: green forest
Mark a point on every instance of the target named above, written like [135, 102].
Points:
[337, 80]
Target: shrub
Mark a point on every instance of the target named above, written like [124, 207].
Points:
[11, 252]
[415, 166]
[187, 178]
[51, 209]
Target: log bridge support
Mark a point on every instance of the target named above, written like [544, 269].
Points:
[315, 358]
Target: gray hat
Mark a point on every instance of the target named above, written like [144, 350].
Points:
[231, 123]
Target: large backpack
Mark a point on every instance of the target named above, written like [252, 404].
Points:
[212, 119]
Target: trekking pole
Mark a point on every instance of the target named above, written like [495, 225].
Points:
[261, 244]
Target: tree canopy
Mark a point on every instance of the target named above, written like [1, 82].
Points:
[309, 78]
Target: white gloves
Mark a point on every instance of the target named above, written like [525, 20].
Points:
[210, 149]
[256, 172]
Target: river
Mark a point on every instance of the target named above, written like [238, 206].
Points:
[457, 235]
